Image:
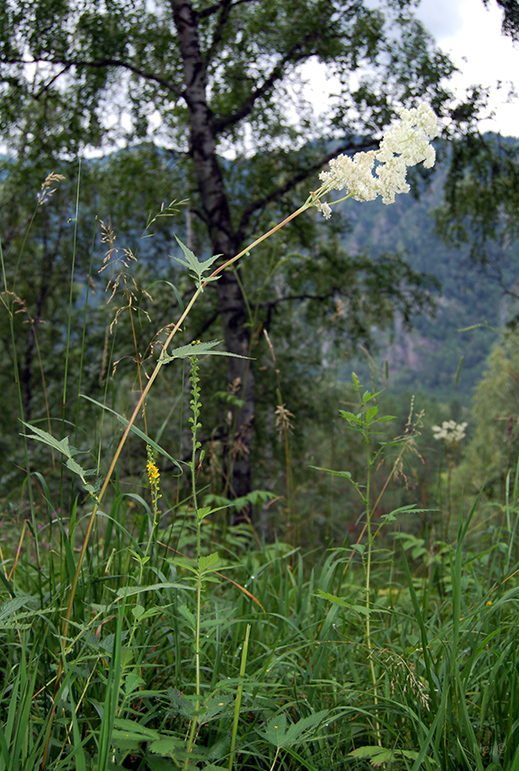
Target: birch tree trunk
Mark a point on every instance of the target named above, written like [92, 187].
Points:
[224, 241]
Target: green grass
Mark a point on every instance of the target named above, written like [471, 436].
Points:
[444, 658]
[140, 630]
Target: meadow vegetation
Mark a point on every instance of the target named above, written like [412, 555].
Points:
[358, 611]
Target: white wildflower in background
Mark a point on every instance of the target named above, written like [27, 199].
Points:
[368, 175]
[450, 431]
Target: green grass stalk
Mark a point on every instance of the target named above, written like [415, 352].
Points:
[239, 694]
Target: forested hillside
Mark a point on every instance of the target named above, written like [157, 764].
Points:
[469, 295]
[250, 517]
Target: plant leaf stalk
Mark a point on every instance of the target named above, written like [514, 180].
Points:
[309, 203]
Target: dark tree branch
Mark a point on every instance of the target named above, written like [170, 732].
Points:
[246, 107]
[260, 203]
[99, 64]
[51, 81]
[225, 9]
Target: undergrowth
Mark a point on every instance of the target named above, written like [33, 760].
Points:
[141, 630]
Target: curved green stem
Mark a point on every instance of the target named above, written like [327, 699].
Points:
[138, 407]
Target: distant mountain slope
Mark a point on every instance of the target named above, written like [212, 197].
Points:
[428, 358]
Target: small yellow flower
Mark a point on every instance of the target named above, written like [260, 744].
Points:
[153, 473]
[488, 604]
[154, 480]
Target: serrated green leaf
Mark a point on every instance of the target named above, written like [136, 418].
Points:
[9, 608]
[185, 562]
[65, 448]
[61, 445]
[213, 708]
[203, 512]
[196, 268]
[208, 562]
[305, 728]
[379, 756]
[278, 734]
[275, 730]
[166, 747]
[76, 468]
[350, 416]
[133, 682]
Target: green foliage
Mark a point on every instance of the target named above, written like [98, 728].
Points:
[482, 194]
[492, 451]
[190, 646]
[443, 642]
[97, 47]
[510, 17]
[139, 628]
[199, 79]
[196, 268]
[69, 452]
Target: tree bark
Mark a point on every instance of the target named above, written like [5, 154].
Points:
[224, 241]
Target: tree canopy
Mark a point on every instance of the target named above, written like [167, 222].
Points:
[210, 78]
[510, 17]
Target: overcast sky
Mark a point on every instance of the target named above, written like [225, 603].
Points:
[471, 35]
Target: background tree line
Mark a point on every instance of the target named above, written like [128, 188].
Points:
[181, 84]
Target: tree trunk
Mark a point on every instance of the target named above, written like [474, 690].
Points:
[223, 240]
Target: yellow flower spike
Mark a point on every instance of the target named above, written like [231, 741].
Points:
[153, 473]
[154, 480]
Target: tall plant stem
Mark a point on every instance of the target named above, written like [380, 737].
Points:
[138, 407]
[195, 410]
[369, 515]
[239, 694]
[145, 393]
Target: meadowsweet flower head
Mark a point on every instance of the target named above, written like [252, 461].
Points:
[392, 179]
[352, 174]
[370, 174]
[410, 138]
[450, 431]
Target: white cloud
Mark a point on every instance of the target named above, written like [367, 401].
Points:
[471, 34]
[442, 18]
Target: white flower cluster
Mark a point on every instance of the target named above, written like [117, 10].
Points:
[403, 145]
[450, 431]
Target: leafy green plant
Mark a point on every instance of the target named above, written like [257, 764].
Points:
[140, 633]
[367, 423]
